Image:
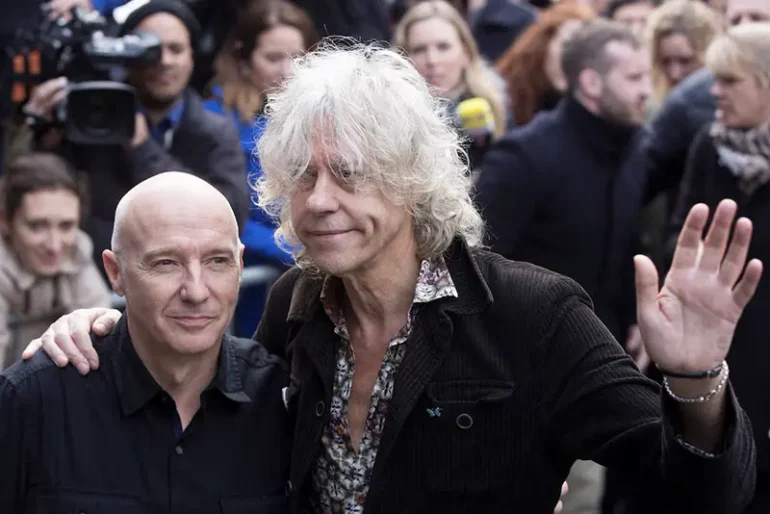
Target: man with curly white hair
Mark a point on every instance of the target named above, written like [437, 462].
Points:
[429, 375]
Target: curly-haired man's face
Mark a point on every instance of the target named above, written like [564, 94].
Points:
[347, 230]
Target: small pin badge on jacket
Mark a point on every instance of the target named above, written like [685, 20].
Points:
[434, 412]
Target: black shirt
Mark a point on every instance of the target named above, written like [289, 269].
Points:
[106, 443]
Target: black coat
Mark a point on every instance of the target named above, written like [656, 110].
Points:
[708, 181]
[498, 24]
[543, 380]
[685, 111]
[564, 192]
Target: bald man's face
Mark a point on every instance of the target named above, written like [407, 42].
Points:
[179, 268]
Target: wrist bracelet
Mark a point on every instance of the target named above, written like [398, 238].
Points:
[706, 397]
[713, 372]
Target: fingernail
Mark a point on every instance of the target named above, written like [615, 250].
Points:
[61, 362]
[99, 326]
[83, 368]
[93, 364]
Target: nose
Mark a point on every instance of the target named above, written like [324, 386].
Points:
[194, 289]
[675, 73]
[646, 86]
[716, 90]
[323, 196]
[431, 56]
[54, 242]
[285, 67]
[166, 56]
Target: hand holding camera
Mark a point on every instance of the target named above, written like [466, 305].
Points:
[46, 97]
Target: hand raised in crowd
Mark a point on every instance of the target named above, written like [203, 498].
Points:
[46, 97]
[63, 8]
[141, 130]
[687, 326]
[67, 340]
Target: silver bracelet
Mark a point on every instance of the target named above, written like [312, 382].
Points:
[706, 397]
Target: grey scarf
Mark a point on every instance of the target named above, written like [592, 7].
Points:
[746, 153]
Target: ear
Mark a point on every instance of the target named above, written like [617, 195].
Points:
[114, 271]
[591, 83]
[241, 249]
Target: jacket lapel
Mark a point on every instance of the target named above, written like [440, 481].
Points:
[313, 363]
[424, 353]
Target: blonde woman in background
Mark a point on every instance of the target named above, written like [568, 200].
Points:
[678, 34]
[730, 158]
[439, 42]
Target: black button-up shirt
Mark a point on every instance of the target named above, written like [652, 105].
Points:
[106, 443]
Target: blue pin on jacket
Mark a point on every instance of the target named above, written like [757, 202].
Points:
[434, 412]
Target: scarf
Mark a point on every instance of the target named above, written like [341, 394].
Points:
[746, 153]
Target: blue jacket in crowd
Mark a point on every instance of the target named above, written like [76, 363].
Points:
[259, 228]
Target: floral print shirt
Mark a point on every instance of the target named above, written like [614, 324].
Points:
[341, 475]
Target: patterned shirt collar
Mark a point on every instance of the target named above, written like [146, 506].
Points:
[433, 283]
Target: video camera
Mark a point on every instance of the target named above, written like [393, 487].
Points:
[100, 107]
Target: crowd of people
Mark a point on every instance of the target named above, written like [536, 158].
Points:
[489, 220]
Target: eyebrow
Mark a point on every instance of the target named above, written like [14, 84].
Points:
[163, 252]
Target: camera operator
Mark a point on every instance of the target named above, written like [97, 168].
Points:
[172, 131]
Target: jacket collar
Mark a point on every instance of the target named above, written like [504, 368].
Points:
[473, 293]
[136, 387]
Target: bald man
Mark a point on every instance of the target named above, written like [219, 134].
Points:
[180, 417]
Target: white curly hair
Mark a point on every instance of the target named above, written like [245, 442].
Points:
[378, 116]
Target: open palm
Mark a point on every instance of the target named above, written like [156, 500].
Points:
[688, 324]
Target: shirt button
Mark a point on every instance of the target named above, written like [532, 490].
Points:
[319, 409]
[288, 488]
[464, 421]
[179, 450]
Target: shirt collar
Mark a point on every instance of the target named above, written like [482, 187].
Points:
[434, 282]
[136, 387]
[473, 293]
[170, 121]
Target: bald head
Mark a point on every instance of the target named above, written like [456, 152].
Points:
[171, 195]
[177, 260]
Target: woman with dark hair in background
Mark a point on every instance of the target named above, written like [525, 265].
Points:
[46, 267]
[531, 66]
[255, 58]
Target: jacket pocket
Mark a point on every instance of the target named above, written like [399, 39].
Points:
[87, 503]
[276, 504]
[466, 435]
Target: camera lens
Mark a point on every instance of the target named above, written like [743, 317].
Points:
[99, 113]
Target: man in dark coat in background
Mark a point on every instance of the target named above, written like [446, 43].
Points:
[565, 191]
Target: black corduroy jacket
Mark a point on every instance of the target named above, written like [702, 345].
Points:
[521, 352]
